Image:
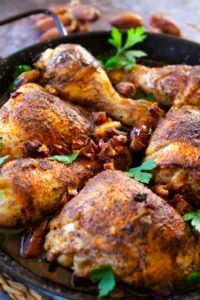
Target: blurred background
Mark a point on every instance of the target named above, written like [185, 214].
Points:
[23, 33]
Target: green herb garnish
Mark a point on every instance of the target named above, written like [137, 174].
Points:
[14, 237]
[124, 57]
[140, 95]
[138, 173]
[150, 97]
[65, 159]
[192, 280]
[194, 217]
[2, 159]
[18, 70]
[106, 280]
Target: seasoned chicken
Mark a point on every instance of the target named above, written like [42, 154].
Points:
[168, 83]
[175, 147]
[76, 75]
[32, 114]
[175, 144]
[35, 123]
[30, 188]
[118, 221]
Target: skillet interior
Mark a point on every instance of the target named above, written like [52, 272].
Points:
[160, 48]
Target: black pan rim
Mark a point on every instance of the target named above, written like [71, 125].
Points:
[14, 269]
[100, 32]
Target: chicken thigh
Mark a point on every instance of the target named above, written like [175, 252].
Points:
[118, 221]
[32, 188]
[175, 147]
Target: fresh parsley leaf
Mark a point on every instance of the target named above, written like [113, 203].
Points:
[131, 54]
[2, 238]
[116, 39]
[138, 173]
[192, 279]
[140, 95]
[116, 62]
[102, 58]
[21, 69]
[150, 97]
[194, 217]
[129, 66]
[65, 159]
[18, 70]
[106, 280]
[134, 36]
[2, 159]
[123, 57]
[14, 237]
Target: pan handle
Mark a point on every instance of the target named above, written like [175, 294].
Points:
[58, 23]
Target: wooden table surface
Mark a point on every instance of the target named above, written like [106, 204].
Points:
[20, 34]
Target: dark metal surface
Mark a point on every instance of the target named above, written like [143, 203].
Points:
[171, 50]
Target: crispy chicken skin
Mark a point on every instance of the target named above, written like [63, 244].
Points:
[33, 114]
[175, 147]
[116, 220]
[76, 75]
[31, 187]
[35, 123]
[168, 83]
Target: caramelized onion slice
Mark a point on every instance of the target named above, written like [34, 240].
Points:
[33, 239]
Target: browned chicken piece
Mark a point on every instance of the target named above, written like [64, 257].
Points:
[30, 188]
[37, 124]
[77, 76]
[33, 114]
[175, 147]
[118, 221]
[168, 83]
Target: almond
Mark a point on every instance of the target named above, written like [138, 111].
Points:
[154, 30]
[85, 13]
[165, 25]
[126, 20]
[83, 27]
[50, 34]
[126, 89]
[53, 33]
[59, 9]
[48, 22]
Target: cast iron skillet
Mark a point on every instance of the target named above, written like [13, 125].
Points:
[161, 48]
